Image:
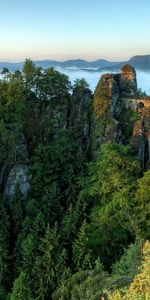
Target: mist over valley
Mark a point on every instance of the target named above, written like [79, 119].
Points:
[92, 77]
[91, 71]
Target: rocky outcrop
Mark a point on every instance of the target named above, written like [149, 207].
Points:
[148, 139]
[18, 175]
[138, 142]
[113, 94]
[141, 132]
[113, 132]
[82, 98]
[81, 115]
[141, 105]
[18, 171]
[127, 82]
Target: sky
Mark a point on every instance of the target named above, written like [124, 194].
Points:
[71, 29]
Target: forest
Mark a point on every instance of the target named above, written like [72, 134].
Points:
[74, 190]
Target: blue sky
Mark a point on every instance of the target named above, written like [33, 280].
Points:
[66, 29]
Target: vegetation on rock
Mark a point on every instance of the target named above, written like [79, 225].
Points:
[74, 208]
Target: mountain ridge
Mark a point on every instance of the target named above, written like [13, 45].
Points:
[139, 62]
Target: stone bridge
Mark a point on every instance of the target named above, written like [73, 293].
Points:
[140, 105]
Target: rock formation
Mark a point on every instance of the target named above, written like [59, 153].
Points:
[115, 90]
[81, 115]
[115, 95]
[17, 171]
[119, 92]
[127, 82]
[138, 141]
[141, 132]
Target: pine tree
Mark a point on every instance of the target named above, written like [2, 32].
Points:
[81, 254]
[4, 245]
[21, 288]
[45, 282]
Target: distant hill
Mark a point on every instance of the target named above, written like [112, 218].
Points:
[76, 63]
[140, 62]
[11, 66]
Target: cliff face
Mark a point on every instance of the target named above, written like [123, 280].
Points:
[44, 121]
[141, 131]
[115, 90]
[139, 141]
[81, 116]
[114, 97]
[16, 172]
[119, 90]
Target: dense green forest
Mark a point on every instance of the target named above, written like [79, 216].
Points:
[75, 212]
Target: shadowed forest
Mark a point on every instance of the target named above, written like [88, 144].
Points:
[74, 187]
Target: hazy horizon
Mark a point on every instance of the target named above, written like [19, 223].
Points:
[73, 58]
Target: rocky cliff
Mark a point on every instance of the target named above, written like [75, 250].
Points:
[119, 92]
[118, 116]
[15, 172]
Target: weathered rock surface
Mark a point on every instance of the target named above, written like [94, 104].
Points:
[148, 144]
[81, 115]
[18, 175]
[18, 171]
[113, 132]
[141, 105]
[120, 90]
[138, 141]
[141, 132]
[127, 82]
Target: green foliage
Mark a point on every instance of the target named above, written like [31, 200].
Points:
[141, 204]
[12, 101]
[44, 282]
[3, 295]
[59, 163]
[29, 71]
[101, 99]
[4, 245]
[101, 106]
[129, 263]
[5, 71]
[17, 207]
[54, 86]
[21, 289]
[28, 251]
[111, 180]
[81, 84]
[81, 217]
[139, 289]
[114, 169]
[128, 119]
[61, 270]
[140, 93]
[86, 284]
[81, 256]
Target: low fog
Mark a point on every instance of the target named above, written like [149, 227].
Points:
[143, 78]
